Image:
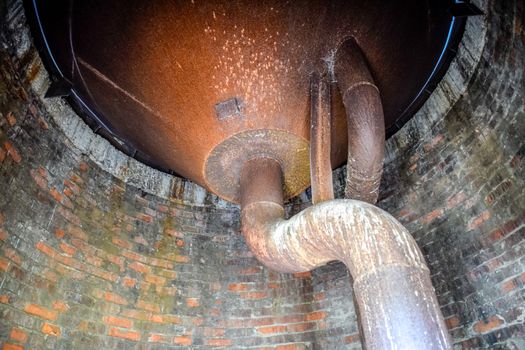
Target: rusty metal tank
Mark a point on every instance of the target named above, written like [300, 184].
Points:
[199, 87]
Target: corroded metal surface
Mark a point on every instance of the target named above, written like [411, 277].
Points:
[365, 123]
[397, 304]
[175, 79]
[224, 164]
[320, 139]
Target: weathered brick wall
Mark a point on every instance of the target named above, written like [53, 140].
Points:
[89, 260]
[457, 182]
[96, 253]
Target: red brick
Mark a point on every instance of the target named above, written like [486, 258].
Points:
[68, 215]
[66, 248]
[122, 243]
[4, 264]
[154, 279]
[254, 295]
[134, 256]
[159, 338]
[218, 342]
[316, 315]
[77, 232]
[192, 302]
[117, 321]
[161, 263]
[41, 312]
[139, 267]
[181, 259]
[93, 260]
[68, 193]
[18, 335]
[55, 194]
[455, 199]
[354, 338]
[162, 208]
[271, 329]
[12, 255]
[236, 287]
[137, 314]
[491, 323]
[59, 233]
[3, 235]
[452, 322]
[306, 274]
[214, 332]
[291, 347]
[173, 233]
[140, 240]
[182, 340]
[508, 286]
[145, 217]
[83, 166]
[115, 298]
[431, 216]
[12, 151]
[51, 329]
[39, 179]
[141, 304]
[129, 282]
[60, 306]
[8, 346]
[477, 221]
[250, 270]
[319, 296]
[301, 327]
[124, 334]
[11, 119]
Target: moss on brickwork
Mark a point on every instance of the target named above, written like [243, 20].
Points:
[460, 189]
[88, 260]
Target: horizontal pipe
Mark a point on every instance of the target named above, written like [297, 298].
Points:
[392, 285]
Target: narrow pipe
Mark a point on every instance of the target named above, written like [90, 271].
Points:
[392, 285]
[365, 119]
[320, 129]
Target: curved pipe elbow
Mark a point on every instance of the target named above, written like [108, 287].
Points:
[365, 120]
[392, 286]
[361, 235]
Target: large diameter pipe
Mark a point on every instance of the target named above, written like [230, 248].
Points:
[365, 120]
[396, 301]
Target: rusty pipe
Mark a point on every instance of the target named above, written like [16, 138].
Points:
[320, 147]
[391, 282]
[365, 120]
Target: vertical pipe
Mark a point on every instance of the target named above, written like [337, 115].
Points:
[366, 126]
[397, 305]
[320, 129]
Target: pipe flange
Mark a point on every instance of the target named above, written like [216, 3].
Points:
[223, 165]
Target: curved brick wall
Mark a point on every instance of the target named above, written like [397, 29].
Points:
[98, 251]
[458, 184]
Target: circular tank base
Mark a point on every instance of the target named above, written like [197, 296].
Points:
[224, 163]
